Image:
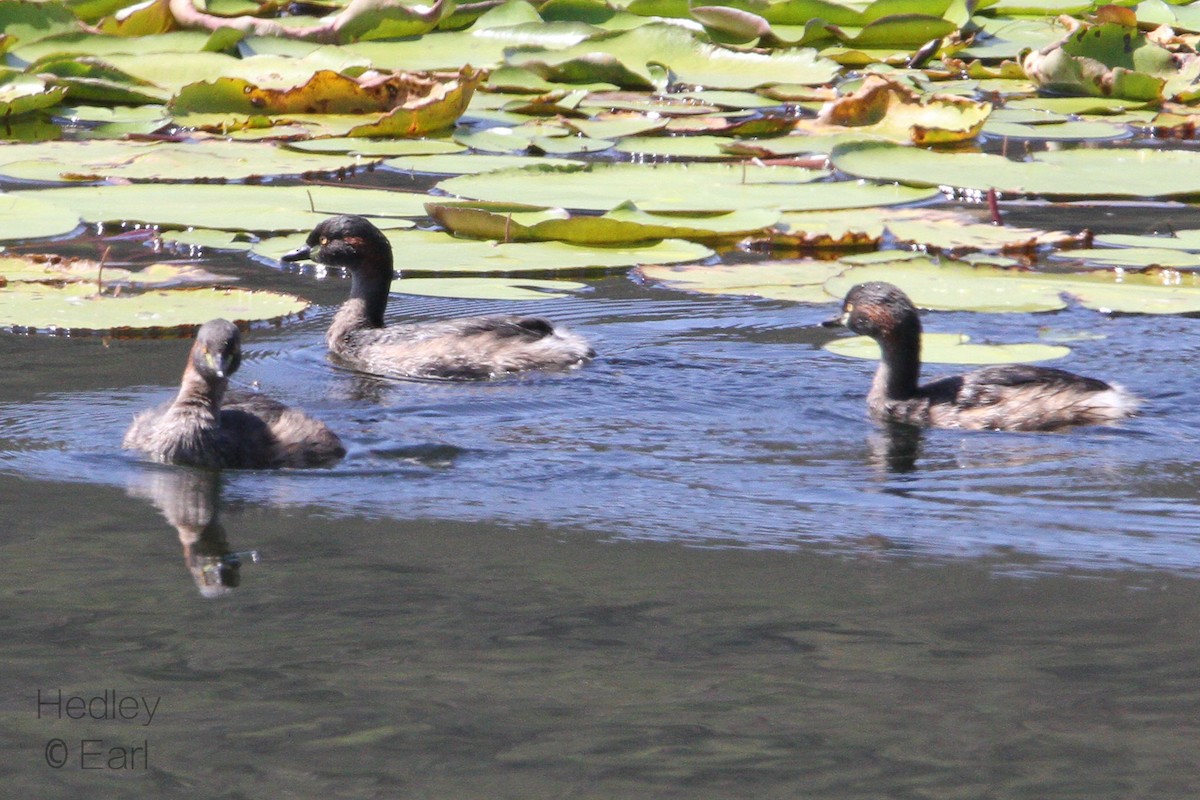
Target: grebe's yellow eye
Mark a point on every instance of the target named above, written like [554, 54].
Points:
[849, 308]
[324, 240]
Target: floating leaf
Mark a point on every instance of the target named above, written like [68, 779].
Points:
[1069, 173]
[517, 289]
[29, 218]
[954, 348]
[1138, 257]
[431, 252]
[20, 94]
[455, 164]
[675, 187]
[692, 147]
[883, 106]
[156, 161]
[75, 308]
[957, 233]
[796, 281]
[953, 286]
[625, 58]
[1188, 240]
[826, 229]
[505, 222]
[1070, 130]
[1104, 60]
[374, 148]
[234, 207]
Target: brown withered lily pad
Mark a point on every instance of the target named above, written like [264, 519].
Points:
[411, 103]
[885, 107]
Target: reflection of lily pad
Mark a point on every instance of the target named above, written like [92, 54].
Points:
[74, 308]
[954, 348]
[488, 288]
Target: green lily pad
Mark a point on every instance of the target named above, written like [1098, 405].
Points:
[795, 281]
[1077, 105]
[434, 253]
[483, 45]
[1188, 240]
[20, 94]
[1073, 130]
[616, 125]
[1137, 257]
[504, 222]
[29, 22]
[695, 147]
[203, 238]
[954, 286]
[516, 289]
[463, 164]
[75, 308]
[379, 148]
[156, 161]
[625, 59]
[675, 187]
[954, 348]
[72, 43]
[29, 218]
[1068, 173]
[234, 207]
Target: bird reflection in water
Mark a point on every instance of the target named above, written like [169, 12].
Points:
[190, 500]
[896, 447]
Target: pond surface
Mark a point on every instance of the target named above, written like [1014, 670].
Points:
[691, 569]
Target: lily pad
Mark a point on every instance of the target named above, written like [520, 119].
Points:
[886, 107]
[235, 207]
[795, 281]
[954, 286]
[20, 94]
[622, 225]
[1069, 173]
[463, 164]
[158, 161]
[75, 308]
[29, 218]
[954, 348]
[625, 58]
[377, 148]
[410, 104]
[676, 187]
[516, 289]
[433, 253]
[1103, 60]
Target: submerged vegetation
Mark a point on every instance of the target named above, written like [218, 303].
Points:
[579, 135]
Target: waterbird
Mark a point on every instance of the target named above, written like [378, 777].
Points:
[206, 426]
[1013, 397]
[471, 348]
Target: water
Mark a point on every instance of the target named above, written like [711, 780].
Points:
[692, 568]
